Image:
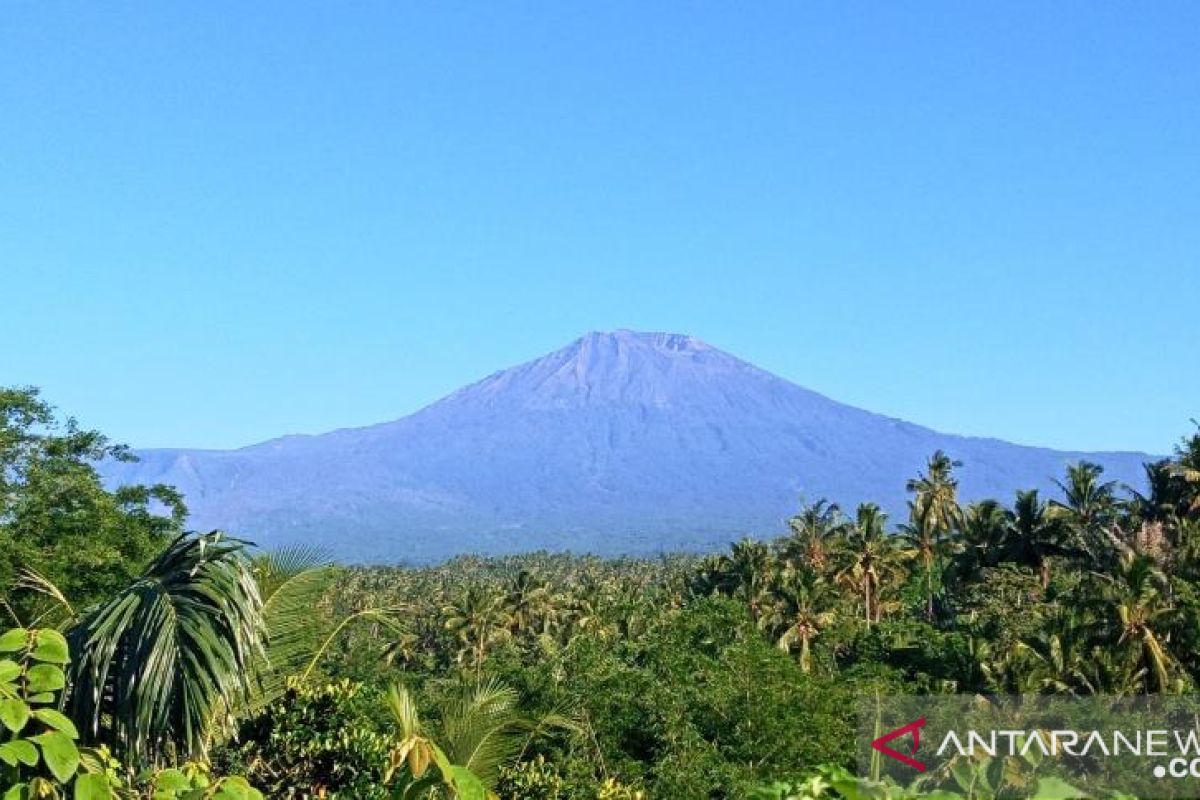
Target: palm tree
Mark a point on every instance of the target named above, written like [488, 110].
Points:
[751, 564]
[936, 493]
[1186, 466]
[154, 664]
[478, 734]
[1036, 536]
[1145, 617]
[869, 557]
[805, 603]
[1164, 499]
[923, 546]
[527, 603]
[1087, 507]
[812, 532]
[476, 619]
[292, 582]
[1059, 658]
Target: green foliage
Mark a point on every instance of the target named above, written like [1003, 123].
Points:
[160, 659]
[314, 739]
[39, 752]
[58, 520]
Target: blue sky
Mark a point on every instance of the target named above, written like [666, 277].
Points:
[221, 222]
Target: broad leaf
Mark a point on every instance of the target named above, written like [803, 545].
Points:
[18, 751]
[13, 641]
[60, 754]
[93, 787]
[14, 714]
[9, 670]
[56, 720]
[50, 646]
[45, 678]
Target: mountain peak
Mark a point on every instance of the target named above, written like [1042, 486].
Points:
[623, 337]
[634, 368]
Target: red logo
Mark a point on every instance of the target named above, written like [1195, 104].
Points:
[914, 728]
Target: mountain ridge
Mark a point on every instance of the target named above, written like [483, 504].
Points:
[619, 442]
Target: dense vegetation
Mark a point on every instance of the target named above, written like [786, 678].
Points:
[188, 657]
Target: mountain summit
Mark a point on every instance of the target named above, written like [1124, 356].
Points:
[621, 442]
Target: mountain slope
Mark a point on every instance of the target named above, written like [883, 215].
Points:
[620, 442]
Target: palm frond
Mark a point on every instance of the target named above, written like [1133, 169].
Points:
[60, 612]
[292, 582]
[155, 663]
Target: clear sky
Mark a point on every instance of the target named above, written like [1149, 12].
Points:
[221, 222]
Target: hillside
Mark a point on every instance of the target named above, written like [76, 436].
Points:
[621, 442]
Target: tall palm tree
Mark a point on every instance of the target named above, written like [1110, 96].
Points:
[527, 604]
[869, 558]
[812, 532]
[1165, 495]
[154, 664]
[804, 604]
[1037, 535]
[923, 546]
[1186, 465]
[477, 620]
[1145, 617]
[1088, 506]
[751, 563]
[936, 492]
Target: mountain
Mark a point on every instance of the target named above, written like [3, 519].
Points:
[621, 442]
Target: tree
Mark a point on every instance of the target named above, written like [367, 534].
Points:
[476, 619]
[869, 557]
[159, 660]
[921, 538]
[813, 531]
[1186, 465]
[1143, 619]
[527, 604]
[936, 492]
[804, 605]
[56, 517]
[1036, 536]
[1088, 505]
[751, 564]
[985, 533]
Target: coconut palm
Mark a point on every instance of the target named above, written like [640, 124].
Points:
[923, 546]
[804, 604]
[751, 564]
[527, 604]
[477, 621]
[292, 582]
[1186, 465]
[1037, 536]
[477, 734]
[1144, 616]
[812, 532]
[153, 665]
[869, 558]
[1088, 506]
[936, 492]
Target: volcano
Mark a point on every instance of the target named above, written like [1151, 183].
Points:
[620, 443]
